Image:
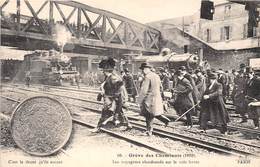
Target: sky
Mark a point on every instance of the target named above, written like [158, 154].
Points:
[143, 11]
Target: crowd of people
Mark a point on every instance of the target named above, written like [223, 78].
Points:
[190, 92]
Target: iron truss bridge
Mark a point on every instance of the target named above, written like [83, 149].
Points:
[88, 25]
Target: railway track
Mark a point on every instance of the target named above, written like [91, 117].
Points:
[134, 108]
[87, 90]
[174, 136]
[109, 132]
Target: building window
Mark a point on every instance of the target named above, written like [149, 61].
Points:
[225, 33]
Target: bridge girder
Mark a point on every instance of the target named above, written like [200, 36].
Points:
[106, 30]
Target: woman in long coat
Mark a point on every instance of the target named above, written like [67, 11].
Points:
[213, 106]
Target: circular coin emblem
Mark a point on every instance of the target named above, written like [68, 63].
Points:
[41, 125]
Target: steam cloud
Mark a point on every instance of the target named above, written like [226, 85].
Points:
[61, 35]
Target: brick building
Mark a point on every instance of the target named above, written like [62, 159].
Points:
[224, 39]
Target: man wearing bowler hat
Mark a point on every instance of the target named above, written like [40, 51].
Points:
[114, 95]
[239, 92]
[150, 99]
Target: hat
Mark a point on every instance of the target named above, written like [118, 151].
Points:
[197, 71]
[161, 69]
[242, 65]
[178, 72]
[212, 76]
[172, 70]
[107, 63]
[182, 68]
[249, 70]
[126, 70]
[220, 71]
[145, 65]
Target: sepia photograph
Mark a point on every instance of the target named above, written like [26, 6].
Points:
[129, 83]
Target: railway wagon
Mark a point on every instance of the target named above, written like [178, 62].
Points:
[49, 67]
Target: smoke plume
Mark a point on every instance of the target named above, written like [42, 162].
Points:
[61, 35]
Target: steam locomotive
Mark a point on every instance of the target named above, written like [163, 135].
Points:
[49, 67]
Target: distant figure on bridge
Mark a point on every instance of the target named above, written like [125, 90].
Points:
[27, 78]
[114, 95]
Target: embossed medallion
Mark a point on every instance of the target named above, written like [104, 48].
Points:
[41, 125]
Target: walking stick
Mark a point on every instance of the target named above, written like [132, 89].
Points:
[187, 112]
[249, 97]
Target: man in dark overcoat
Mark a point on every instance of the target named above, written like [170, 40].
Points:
[200, 83]
[239, 94]
[223, 80]
[183, 90]
[165, 80]
[150, 99]
[213, 106]
[195, 92]
[252, 93]
[114, 95]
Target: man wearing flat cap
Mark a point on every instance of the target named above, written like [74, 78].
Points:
[114, 95]
[213, 106]
[150, 99]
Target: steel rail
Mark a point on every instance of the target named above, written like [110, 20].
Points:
[196, 142]
[183, 138]
[126, 138]
[111, 133]
[230, 127]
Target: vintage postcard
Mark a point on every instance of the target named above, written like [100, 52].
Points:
[121, 83]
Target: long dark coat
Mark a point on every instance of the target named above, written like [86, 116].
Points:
[239, 94]
[223, 79]
[150, 98]
[253, 90]
[130, 85]
[201, 86]
[165, 82]
[195, 92]
[184, 99]
[214, 108]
